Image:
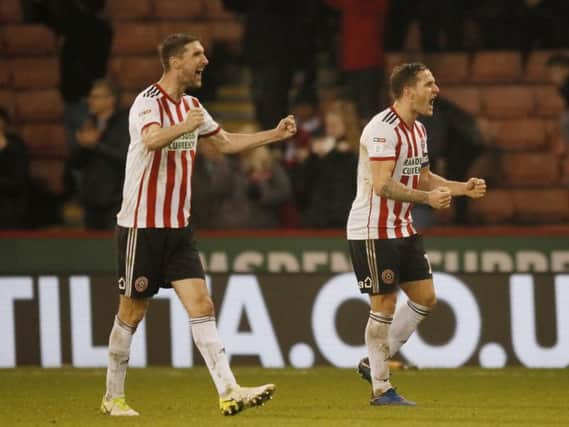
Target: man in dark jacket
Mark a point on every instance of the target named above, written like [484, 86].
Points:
[101, 155]
[14, 178]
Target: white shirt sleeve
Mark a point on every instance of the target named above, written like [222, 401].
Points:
[144, 112]
[209, 126]
[425, 160]
[380, 141]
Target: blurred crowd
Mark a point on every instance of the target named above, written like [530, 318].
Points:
[310, 180]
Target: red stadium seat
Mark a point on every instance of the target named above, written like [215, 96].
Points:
[448, 67]
[392, 59]
[168, 9]
[132, 39]
[127, 98]
[50, 173]
[542, 206]
[34, 73]
[136, 72]
[549, 103]
[519, 134]
[10, 11]
[496, 67]
[39, 106]
[27, 40]
[507, 101]
[535, 69]
[497, 207]
[4, 74]
[45, 141]
[125, 10]
[468, 98]
[214, 10]
[199, 29]
[227, 31]
[531, 169]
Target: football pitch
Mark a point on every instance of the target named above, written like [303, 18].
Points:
[316, 397]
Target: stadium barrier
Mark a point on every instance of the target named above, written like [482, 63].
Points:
[289, 299]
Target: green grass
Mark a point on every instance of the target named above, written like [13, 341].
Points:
[317, 397]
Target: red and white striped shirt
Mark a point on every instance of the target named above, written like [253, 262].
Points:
[157, 188]
[387, 137]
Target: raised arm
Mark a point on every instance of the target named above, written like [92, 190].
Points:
[385, 186]
[227, 142]
[473, 188]
[156, 137]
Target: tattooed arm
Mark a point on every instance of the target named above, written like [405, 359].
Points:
[385, 186]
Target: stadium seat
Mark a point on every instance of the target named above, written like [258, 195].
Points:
[214, 10]
[34, 73]
[135, 38]
[38, 106]
[136, 72]
[448, 67]
[497, 207]
[392, 59]
[126, 10]
[4, 74]
[465, 97]
[540, 206]
[10, 11]
[507, 101]
[496, 67]
[27, 40]
[8, 100]
[45, 141]
[531, 169]
[548, 101]
[49, 172]
[535, 69]
[168, 9]
[519, 134]
[201, 30]
[227, 31]
[127, 98]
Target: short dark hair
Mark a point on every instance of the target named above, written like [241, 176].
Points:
[559, 60]
[404, 75]
[174, 45]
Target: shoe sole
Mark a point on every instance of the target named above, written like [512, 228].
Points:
[261, 398]
[258, 400]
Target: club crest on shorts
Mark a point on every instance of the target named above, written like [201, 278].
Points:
[141, 284]
[387, 276]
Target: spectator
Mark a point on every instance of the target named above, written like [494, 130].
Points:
[362, 61]
[212, 183]
[455, 141]
[85, 48]
[558, 69]
[260, 187]
[14, 178]
[103, 141]
[325, 182]
[279, 39]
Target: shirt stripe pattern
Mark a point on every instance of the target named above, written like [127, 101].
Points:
[387, 137]
[157, 189]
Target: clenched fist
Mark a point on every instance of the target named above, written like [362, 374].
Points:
[286, 127]
[194, 119]
[475, 188]
[439, 198]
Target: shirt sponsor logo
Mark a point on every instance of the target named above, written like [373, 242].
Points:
[376, 139]
[412, 166]
[144, 112]
[186, 141]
